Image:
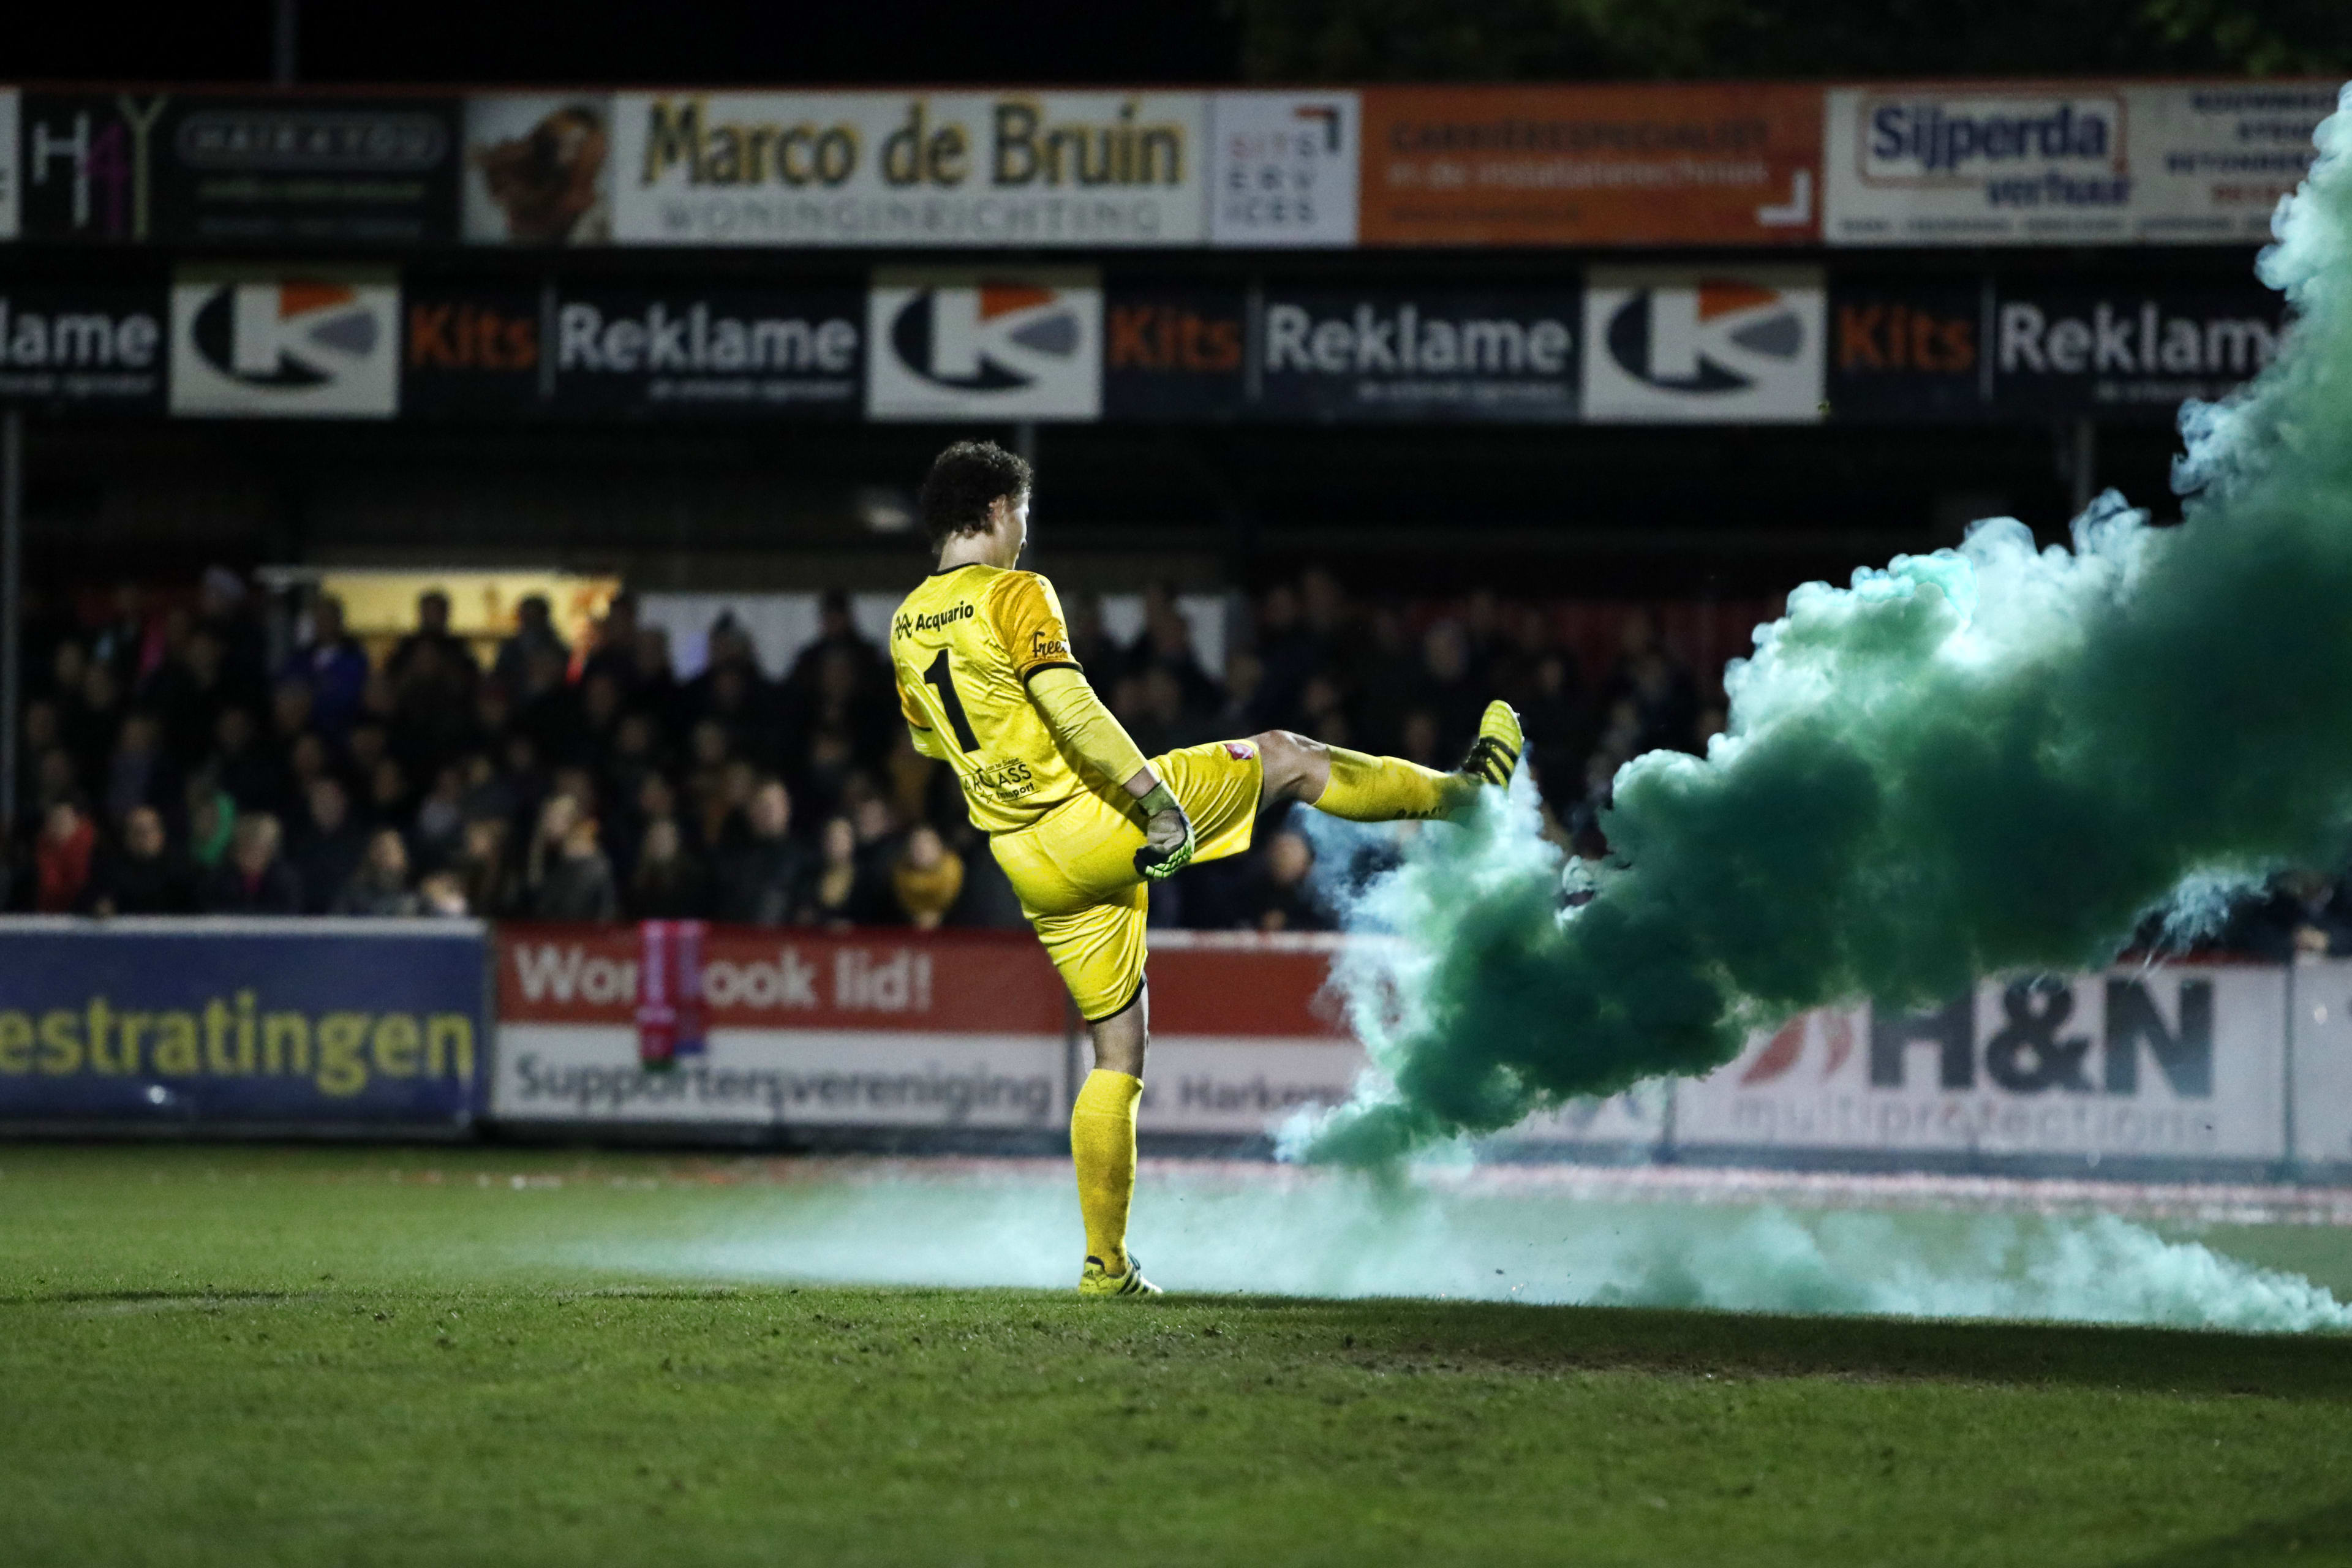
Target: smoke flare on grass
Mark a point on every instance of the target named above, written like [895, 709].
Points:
[1974, 760]
[1483, 1235]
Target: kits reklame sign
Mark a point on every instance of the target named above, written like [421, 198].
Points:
[663, 353]
[1428, 354]
[1989, 350]
[84, 347]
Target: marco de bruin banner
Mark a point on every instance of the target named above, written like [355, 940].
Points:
[242, 1022]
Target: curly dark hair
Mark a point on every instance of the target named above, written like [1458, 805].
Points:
[965, 480]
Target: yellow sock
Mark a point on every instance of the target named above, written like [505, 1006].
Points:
[1102, 1146]
[1383, 789]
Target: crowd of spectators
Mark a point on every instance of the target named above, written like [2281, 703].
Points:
[170, 762]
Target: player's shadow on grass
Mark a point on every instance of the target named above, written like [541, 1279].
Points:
[2327, 1529]
[2274, 1366]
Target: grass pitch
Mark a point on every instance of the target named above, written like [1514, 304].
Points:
[306, 1356]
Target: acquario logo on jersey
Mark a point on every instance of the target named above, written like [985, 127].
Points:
[294, 346]
[1682, 346]
[1023, 346]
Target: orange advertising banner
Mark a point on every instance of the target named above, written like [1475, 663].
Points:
[1731, 165]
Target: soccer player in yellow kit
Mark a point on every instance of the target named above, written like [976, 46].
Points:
[1076, 816]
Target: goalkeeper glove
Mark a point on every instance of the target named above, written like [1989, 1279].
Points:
[1167, 841]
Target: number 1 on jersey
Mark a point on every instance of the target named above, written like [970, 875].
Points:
[938, 677]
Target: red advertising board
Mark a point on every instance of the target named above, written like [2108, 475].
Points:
[961, 982]
[1732, 164]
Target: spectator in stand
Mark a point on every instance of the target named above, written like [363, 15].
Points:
[667, 883]
[612, 648]
[227, 610]
[380, 887]
[1283, 898]
[249, 770]
[442, 896]
[138, 772]
[61, 858]
[1450, 688]
[568, 877]
[657, 673]
[534, 636]
[142, 875]
[212, 823]
[835, 888]
[1664, 698]
[1287, 655]
[1091, 644]
[928, 879]
[327, 844]
[454, 657]
[2303, 914]
[333, 666]
[253, 878]
[484, 879]
[761, 875]
[440, 821]
[837, 634]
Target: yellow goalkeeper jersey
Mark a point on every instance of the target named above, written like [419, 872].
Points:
[964, 646]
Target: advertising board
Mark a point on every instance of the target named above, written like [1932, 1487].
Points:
[538, 169]
[285, 343]
[1174, 352]
[2322, 1062]
[291, 170]
[967, 343]
[2065, 163]
[1283, 168]
[472, 350]
[11, 210]
[243, 1021]
[1382, 354]
[88, 347]
[2164, 1063]
[1721, 346]
[1903, 349]
[961, 170]
[2125, 351]
[1735, 163]
[2025, 349]
[724, 352]
[872, 1029]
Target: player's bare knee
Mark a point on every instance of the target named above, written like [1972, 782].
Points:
[1296, 766]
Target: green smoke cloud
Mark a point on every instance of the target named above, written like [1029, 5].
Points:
[1979, 760]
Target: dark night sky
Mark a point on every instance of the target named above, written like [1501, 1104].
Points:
[681, 41]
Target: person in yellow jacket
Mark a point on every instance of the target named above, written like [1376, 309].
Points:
[1081, 823]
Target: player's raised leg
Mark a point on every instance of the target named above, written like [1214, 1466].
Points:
[1364, 788]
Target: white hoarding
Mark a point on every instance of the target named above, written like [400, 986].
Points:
[2171, 1063]
[962, 170]
[1688, 345]
[1283, 168]
[2323, 1061]
[1016, 344]
[2071, 163]
[285, 344]
[11, 214]
[882, 1078]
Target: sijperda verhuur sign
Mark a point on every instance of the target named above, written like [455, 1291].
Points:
[246, 1023]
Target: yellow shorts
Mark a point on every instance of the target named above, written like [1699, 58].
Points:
[1073, 868]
